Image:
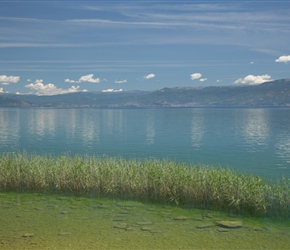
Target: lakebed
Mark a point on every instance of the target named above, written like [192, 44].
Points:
[46, 221]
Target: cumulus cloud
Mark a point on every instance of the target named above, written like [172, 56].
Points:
[69, 80]
[195, 76]
[149, 76]
[112, 90]
[6, 80]
[50, 89]
[86, 78]
[1, 90]
[202, 79]
[89, 78]
[283, 59]
[253, 80]
[121, 81]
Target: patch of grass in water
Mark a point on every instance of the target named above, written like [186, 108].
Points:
[160, 182]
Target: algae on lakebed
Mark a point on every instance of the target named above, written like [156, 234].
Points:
[38, 221]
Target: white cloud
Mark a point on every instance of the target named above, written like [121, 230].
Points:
[254, 80]
[112, 90]
[121, 81]
[70, 81]
[195, 76]
[1, 90]
[6, 80]
[149, 76]
[202, 79]
[50, 89]
[283, 59]
[89, 78]
[86, 78]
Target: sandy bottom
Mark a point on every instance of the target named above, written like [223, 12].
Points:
[34, 221]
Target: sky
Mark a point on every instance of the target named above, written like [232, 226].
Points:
[57, 47]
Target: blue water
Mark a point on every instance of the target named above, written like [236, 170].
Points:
[248, 140]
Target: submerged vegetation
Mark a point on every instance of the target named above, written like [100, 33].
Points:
[148, 181]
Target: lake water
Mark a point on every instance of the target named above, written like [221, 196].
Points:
[248, 140]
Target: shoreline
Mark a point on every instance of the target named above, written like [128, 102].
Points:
[158, 182]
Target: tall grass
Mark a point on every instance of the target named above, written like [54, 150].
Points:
[151, 181]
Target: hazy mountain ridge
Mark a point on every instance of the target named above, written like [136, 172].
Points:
[274, 93]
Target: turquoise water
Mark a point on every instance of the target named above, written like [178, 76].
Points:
[248, 140]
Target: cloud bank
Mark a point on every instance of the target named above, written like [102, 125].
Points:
[50, 89]
[112, 90]
[283, 59]
[6, 80]
[253, 80]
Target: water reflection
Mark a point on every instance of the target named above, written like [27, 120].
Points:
[41, 122]
[69, 119]
[255, 128]
[223, 136]
[150, 130]
[283, 149]
[197, 130]
[90, 129]
[9, 128]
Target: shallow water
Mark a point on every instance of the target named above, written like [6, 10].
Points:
[36, 221]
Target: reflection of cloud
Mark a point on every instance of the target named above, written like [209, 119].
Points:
[91, 130]
[197, 130]
[150, 131]
[71, 126]
[9, 128]
[41, 122]
[113, 121]
[256, 127]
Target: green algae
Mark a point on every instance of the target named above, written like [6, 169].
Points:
[42, 221]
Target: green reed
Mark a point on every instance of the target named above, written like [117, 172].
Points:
[149, 181]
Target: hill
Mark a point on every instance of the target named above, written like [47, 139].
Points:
[274, 93]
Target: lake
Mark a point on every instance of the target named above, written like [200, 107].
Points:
[255, 140]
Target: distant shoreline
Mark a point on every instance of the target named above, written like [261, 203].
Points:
[268, 94]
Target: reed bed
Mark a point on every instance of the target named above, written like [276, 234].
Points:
[148, 181]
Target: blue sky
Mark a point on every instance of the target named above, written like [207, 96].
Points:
[54, 47]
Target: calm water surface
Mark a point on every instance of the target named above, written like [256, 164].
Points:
[248, 140]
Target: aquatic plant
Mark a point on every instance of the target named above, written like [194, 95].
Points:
[149, 181]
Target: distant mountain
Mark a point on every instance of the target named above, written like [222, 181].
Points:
[274, 93]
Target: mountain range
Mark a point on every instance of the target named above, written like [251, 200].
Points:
[274, 93]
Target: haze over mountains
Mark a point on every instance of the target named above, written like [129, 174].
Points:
[274, 93]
